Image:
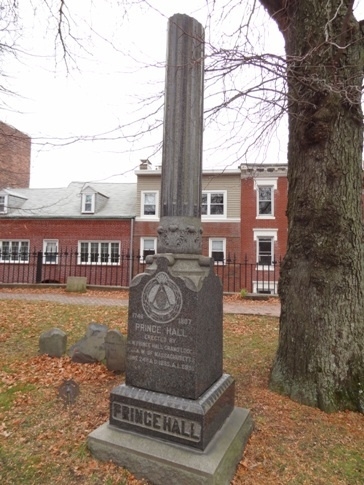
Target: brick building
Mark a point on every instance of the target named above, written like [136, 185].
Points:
[264, 222]
[220, 212]
[105, 231]
[87, 225]
[15, 148]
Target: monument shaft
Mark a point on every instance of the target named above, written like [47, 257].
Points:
[174, 420]
[180, 228]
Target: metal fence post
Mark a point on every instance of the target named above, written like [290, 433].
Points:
[38, 275]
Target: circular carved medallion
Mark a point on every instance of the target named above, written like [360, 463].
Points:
[161, 299]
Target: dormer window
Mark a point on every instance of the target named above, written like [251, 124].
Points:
[3, 204]
[88, 203]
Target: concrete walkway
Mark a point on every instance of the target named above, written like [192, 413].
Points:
[246, 307]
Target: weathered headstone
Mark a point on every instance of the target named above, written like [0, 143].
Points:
[91, 347]
[115, 351]
[53, 342]
[76, 284]
[176, 400]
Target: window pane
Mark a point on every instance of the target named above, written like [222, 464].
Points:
[24, 251]
[94, 252]
[265, 251]
[114, 252]
[148, 247]
[88, 202]
[204, 205]
[50, 252]
[217, 255]
[217, 245]
[2, 203]
[99, 252]
[84, 252]
[265, 200]
[150, 204]
[14, 250]
[217, 249]
[5, 254]
[104, 252]
[217, 198]
[217, 204]
[149, 244]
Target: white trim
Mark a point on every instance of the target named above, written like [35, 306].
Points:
[142, 240]
[211, 217]
[45, 242]
[218, 239]
[265, 233]
[99, 259]
[83, 199]
[143, 216]
[12, 261]
[266, 182]
[263, 182]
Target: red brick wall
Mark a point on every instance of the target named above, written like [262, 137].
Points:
[68, 232]
[249, 220]
[228, 230]
[15, 149]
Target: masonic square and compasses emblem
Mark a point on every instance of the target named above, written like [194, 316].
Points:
[161, 299]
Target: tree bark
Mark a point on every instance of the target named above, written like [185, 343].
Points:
[320, 356]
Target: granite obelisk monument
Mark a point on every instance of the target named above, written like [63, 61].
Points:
[174, 419]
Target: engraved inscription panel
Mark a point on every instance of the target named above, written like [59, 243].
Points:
[160, 422]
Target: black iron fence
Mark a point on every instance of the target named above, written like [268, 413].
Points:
[38, 267]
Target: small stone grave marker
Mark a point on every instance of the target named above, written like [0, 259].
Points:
[76, 284]
[115, 351]
[53, 342]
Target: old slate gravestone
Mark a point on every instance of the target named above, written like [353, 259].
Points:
[174, 420]
[91, 347]
[53, 342]
[115, 351]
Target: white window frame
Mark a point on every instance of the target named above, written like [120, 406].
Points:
[10, 243]
[96, 249]
[3, 204]
[267, 182]
[142, 247]
[265, 234]
[213, 240]
[85, 203]
[144, 193]
[50, 257]
[210, 216]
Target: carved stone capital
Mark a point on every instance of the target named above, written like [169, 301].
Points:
[181, 235]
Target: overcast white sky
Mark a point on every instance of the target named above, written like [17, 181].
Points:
[102, 90]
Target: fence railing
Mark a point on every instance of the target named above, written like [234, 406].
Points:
[38, 267]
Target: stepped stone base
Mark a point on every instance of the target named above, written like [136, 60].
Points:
[163, 463]
[183, 421]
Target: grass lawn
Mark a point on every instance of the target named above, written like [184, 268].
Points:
[43, 442]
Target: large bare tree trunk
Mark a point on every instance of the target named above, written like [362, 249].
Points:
[320, 357]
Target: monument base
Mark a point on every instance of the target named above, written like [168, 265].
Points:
[164, 463]
[183, 421]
